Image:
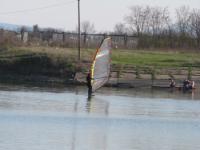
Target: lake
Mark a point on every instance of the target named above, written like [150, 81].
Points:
[60, 118]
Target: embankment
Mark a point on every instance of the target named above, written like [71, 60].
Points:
[34, 68]
[39, 65]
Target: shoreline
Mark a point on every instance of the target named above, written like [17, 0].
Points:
[113, 82]
[49, 67]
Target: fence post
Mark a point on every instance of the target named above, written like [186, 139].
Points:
[125, 40]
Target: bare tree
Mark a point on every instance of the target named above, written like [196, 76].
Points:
[183, 19]
[183, 16]
[120, 29]
[158, 19]
[195, 25]
[87, 27]
[137, 19]
[158, 23]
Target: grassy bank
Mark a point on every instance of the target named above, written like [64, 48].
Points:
[39, 62]
[35, 63]
[156, 58]
[120, 57]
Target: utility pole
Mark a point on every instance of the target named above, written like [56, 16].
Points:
[79, 33]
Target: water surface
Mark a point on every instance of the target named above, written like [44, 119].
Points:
[33, 118]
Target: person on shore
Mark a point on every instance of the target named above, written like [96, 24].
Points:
[89, 84]
[172, 83]
[191, 85]
[188, 85]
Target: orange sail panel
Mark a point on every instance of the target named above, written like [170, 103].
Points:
[100, 69]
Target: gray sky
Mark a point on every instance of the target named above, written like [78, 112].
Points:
[104, 14]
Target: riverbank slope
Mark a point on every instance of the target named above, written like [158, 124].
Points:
[130, 68]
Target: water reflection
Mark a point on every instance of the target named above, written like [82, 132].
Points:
[88, 104]
[113, 119]
[97, 105]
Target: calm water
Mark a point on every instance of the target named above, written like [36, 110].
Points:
[64, 119]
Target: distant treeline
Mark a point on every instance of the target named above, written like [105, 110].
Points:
[156, 29]
[144, 27]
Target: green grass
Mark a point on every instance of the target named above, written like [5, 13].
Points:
[156, 58]
[55, 54]
[138, 58]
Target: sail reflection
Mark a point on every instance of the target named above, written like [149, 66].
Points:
[97, 105]
[110, 120]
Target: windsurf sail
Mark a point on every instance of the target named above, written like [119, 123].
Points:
[100, 68]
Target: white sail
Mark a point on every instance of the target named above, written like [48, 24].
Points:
[100, 69]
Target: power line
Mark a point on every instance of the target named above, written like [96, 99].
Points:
[37, 9]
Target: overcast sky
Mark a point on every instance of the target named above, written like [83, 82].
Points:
[104, 14]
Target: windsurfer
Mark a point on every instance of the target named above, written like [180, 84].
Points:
[100, 68]
[89, 84]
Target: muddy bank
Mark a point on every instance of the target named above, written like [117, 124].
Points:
[41, 69]
[35, 68]
[79, 79]
[70, 78]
